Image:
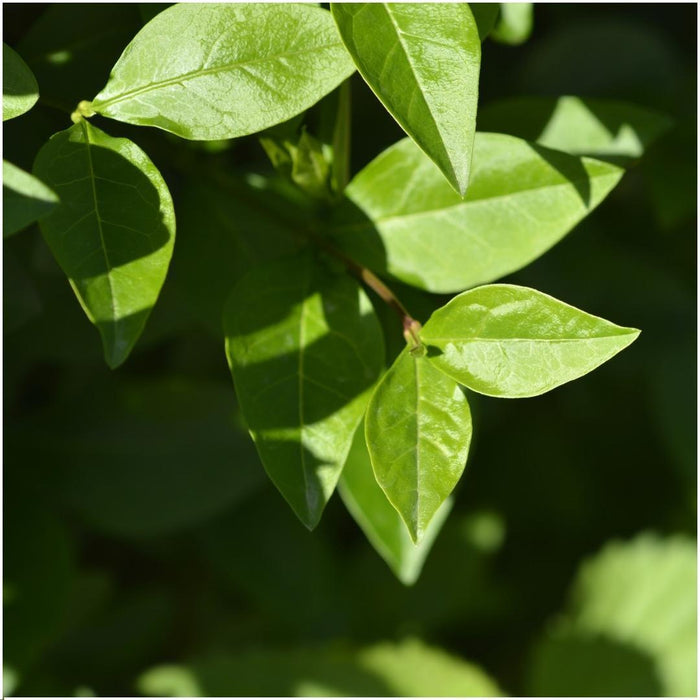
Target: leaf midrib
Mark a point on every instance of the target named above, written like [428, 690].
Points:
[429, 339]
[193, 75]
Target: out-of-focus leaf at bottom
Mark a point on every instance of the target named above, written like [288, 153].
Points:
[407, 669]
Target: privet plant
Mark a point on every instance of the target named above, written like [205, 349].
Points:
[446, 210]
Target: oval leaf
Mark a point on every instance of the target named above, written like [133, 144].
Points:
[402, 217]
[509, 341]
[379, 520]
[217, 71]
[304, 348]
[604, 129]
[418, 429]
[514, 24]
[19, 89]
[24, 199]
[422, 61]
[113, 232]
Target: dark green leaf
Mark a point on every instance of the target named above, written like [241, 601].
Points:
[203, 72]
[509, 341]
[418, 429]
[19, 89]
[402, 217]
[514, 24]
[422, 61]
[379, 520]
[304, 347]
[598, 128]
[24, 199]
[113, 232]
[485, 15]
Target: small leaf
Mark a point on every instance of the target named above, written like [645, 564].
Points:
[24, 199]
[113, 232]
[304, 348]
[217, 71]
[402, 217]
[379, 520]
[19, 89]
[418, 429]
[422, 61]
[509, 341]
[514, 24]
[605, 129]
[485, 15]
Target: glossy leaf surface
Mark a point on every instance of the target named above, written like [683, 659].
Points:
[379, 520]
[24, 199]
[304, 347]
[510, 341]
[418, 429]
[216, 71]
[514, 24]
[19, 89]
[422, 61]
[113, 232]
[402, 217]
[581, 126]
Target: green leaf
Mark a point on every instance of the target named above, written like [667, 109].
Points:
[24, 199]
[304, 347]
[403, 218]
[19, 89]
[204, 72]
[406, 669]
[605, 129]
[418, 429]
[639, 596]
[509, 341]
[485, 15]
[422, 61]
[379, 520]
[113, 232]
[514, 24]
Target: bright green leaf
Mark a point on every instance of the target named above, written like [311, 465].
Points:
[514, 24]
[422, 61]
[24, 199]
[418, 429]
[402, 217]
[379, 520]
[304, 347]
[19, 89]
[597, 128]
[641, 597]
[485, 15]
[113, 232]
[217, 71]
[509, 341]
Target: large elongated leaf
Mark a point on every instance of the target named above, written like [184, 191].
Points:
[304, 347]
[19, 89]
[379, 520]
[402, 217]
[422, 61]
[216, 71]
[418, 429]
[24, 199]
[597, 128]
[509, 341]
[113, 232]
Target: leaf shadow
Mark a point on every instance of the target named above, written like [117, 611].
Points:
[570, 167]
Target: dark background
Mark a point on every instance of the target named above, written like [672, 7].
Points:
[140, 528]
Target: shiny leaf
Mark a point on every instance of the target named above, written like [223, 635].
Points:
[24, 199]
[113, 232]
[418, 429]
[509, 341]
[422, 61]
[514, 24]
[379, 520]
[217, 71]
[581, 126]
[304, 348]
[19, 89]
[402, 217]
